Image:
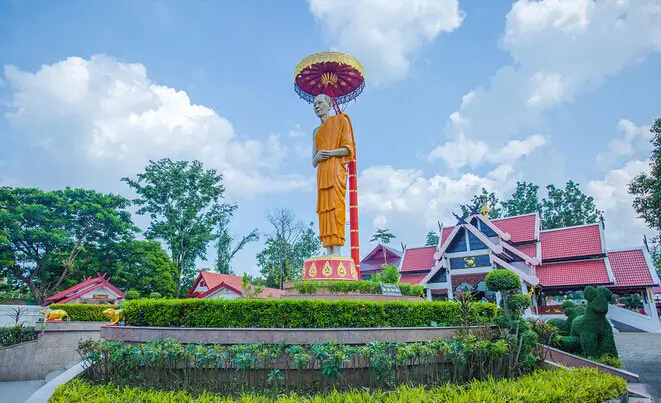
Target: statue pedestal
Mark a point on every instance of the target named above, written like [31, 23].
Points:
[329, 268]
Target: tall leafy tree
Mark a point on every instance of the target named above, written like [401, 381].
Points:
[567, 207]
[183, 201]
[285, 250]
[432, 239]
[228, 246]
[383, 237]
[45, 233]
[524, 200]
[492, 201]
[646, 187]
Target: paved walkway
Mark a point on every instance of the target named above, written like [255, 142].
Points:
[17, 392]
[641, 354]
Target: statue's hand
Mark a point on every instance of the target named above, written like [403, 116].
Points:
[322, 155]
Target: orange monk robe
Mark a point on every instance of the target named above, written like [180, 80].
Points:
[336, 132]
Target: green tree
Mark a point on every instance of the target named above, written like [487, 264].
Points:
[646, 187]
[285, 250]
[383, 237]
[146, 267]
[227, 246]
[183, 201]
[45, 233]
[524, 200]
[478, 200]
[568, 207]
[432, 239]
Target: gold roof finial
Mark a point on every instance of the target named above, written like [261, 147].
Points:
[485, 209]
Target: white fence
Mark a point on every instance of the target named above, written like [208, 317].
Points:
[29, 316]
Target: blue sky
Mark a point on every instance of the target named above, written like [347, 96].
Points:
[461, 94]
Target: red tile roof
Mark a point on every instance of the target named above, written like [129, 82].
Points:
[89, 284]
[571, 242]
[528, 249]
[215, 281]
[521, 228]
[582, 272]
[630, 268]
[412, 279]
[418, 259]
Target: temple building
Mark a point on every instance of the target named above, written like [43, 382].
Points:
[380, 255]
[93, 290]
[557, 264]
[224, 286]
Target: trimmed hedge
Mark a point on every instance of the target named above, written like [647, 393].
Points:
[581, 385]
[84, 312]
[280, 313]
[356, 287]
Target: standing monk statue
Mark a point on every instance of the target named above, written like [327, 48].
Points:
[332, 150]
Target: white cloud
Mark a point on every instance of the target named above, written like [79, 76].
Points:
[623, 229]
[385, 33]
[636, 140]
[411, 203]
[559, 49]
[462, 151]
[102, 118]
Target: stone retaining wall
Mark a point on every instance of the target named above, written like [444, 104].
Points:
[34, 360]
[139, 334]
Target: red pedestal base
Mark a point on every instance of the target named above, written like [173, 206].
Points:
[329, 268]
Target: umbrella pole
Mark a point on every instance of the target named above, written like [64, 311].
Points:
[353, 196]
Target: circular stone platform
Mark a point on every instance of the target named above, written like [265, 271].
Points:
[329, 268]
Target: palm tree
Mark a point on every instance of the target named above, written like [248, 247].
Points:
[383, 237]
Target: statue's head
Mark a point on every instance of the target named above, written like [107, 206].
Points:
[598, 298]
[322, 105]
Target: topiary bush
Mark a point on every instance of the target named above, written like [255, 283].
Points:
[571, 311]
[132, 294]
[502, 281]
[282, 313]
[155, 295]
[517, 303]
[84, 312]
[592, 328]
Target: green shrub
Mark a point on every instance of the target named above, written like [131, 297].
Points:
[502, 280]
[593, 328]
[389, 275]
[609, 360]
[353, 287]
[155, 295]
[282, 313]
[518, 302]
[84, 312]
[581, 385]
[132, 294]
[16, 334]
[202, 366]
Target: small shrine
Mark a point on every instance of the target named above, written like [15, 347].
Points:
[211, 285]
[93, 290]
[554, 265]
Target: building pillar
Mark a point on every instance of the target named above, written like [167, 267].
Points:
[498, 298]
[524, 290]
[428, 294]
[650, 308]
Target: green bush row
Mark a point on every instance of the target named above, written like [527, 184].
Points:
[169, 364]
[84, 312]
[561, 386]
[16, 334]
[280, 313]
[353, 287]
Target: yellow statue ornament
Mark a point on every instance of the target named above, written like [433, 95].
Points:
[55, 315]
[115, 315]
[485, 209]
